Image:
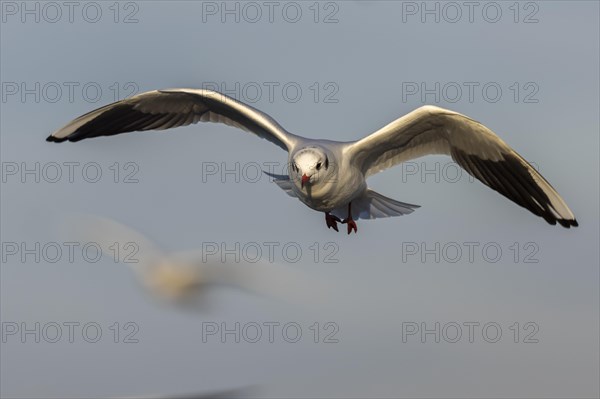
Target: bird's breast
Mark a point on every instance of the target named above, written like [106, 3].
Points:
[335, 191]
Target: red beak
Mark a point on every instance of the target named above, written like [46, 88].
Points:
[305, 179]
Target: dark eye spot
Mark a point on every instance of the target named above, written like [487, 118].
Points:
[326, 163]
[319, 166]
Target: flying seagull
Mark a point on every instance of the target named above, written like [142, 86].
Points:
[330, 176]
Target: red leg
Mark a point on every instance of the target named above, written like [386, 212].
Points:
[349, 221]
[332, 220]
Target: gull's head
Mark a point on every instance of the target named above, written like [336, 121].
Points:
[309, 166]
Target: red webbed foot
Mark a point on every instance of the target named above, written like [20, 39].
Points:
[351, 225]
[331, 221]
[349, 221]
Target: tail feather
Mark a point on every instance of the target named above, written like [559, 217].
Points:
[373, 205]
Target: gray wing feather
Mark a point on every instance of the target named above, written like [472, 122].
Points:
[434, 130]
[166, 109]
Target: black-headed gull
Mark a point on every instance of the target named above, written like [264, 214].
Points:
[330, 176]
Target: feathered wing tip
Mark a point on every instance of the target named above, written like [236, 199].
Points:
[518, 181]
[432, 130]
[53, 139]
[166, 109]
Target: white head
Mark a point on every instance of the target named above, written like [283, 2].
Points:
[309, 166]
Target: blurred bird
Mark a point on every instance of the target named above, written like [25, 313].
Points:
[181, 276]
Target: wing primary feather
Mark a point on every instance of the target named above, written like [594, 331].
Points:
[165, 109]
[432, 130]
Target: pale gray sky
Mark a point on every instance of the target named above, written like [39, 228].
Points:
[339, 80]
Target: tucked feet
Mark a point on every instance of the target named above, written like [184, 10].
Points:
[332, 220]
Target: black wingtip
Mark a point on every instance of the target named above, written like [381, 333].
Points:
[53, 139]
[568, 223]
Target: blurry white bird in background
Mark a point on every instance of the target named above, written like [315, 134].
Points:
[181, 276]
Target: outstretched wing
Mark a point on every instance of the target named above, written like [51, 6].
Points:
[434, 130]
[165, 109]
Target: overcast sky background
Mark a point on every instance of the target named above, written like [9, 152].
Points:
[365, 61]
